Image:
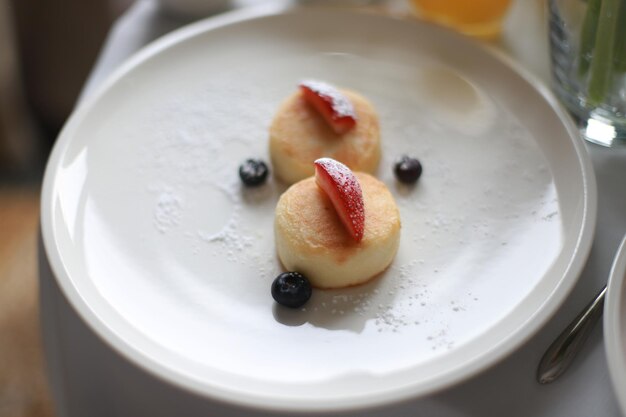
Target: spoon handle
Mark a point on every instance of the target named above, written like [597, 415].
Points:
[562, 351]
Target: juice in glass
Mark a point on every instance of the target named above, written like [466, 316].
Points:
[480, 18]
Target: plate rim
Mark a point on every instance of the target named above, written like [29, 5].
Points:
[498, 352]
[613, 324]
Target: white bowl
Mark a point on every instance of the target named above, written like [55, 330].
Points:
[169, 261]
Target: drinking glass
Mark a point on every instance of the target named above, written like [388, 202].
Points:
[588, 61]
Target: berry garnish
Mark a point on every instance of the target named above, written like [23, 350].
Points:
[334, 106]
[253, 172]
[407, 169]
[291, 289]
[344, 191]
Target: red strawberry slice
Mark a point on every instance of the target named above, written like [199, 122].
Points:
[334, 106]
[344, 191]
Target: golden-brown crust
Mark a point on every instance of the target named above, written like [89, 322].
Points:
[299, 133]
[306, 217]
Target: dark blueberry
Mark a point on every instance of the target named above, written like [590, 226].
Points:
[291, 289]
[253, 172]
[407, 169]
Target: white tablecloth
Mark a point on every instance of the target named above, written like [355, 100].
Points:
[509, 388]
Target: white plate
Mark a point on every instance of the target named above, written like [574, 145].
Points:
[170, 260]
[615, 325]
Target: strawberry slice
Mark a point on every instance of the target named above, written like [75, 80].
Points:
[334, 106]
[344, 191]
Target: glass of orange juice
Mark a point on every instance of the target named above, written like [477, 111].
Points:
[479, 18]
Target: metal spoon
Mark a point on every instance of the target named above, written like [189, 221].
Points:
[562, 351]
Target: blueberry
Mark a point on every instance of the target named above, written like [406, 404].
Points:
[253, 172]
[291, 289]
[407, 169]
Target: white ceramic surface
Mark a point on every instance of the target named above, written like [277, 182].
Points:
[170, 260]
[193, 8]
[615, 325]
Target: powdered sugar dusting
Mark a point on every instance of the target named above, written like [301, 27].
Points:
[340, 104]
[167, 211]
[345, 192]
[191, 165]
[230, 238]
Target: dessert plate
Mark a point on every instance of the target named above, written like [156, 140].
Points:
[615, 325]
[170, 260]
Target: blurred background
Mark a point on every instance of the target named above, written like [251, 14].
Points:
[46, 51]
[47, 48]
